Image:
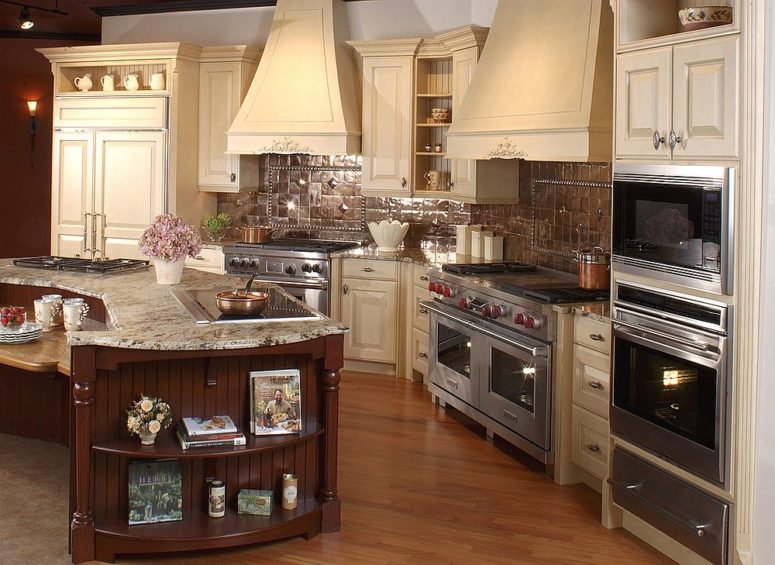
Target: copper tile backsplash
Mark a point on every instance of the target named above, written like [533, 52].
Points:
[562, 206]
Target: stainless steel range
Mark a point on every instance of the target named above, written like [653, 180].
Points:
[300, 266]
[491, 346]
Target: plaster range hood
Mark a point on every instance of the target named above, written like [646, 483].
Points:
[543, 89]
[305, 96]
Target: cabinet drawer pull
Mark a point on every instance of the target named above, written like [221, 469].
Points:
[674, 139]
[424, 278]
[422, 355]
[596, 337]
[403, 182]
[233, 177]
[368, 270]
[657, 140]
[345, 289]
[593, 447]
[423, 310]
[596, 385]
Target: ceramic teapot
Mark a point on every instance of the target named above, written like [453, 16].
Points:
[131, 82]
[83, 83]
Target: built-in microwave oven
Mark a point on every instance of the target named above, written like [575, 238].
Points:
[675, 223]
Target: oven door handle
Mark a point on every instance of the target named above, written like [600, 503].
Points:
[534, 351]
[321, 285]
[687, 342]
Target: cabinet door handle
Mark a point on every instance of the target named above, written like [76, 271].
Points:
[233, 177]
[451, 184]
[596, 337]
[593, 447]
[422, 355]
[403, 182]
[94, 247]
[368, 270]
[595, 385]
[423, 310]
[345, 289]
[657, 140]
[424, 278]
[86, 233]
[674, 139]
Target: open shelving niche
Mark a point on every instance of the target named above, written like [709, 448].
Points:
[650, 23]
[68, 72]
[433, 89]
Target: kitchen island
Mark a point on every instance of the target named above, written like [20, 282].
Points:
[143, 341]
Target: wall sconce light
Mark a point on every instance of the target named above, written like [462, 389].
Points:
[32, 105]
[24, 18]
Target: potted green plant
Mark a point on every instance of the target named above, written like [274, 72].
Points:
[215, 227]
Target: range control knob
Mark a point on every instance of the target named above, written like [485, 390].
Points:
[234, 262]
[316, 268]
[534, 322]
[244, 263]
[306, 267]
[519, 319]
[446, 291]
[432, 286]
[497, 311]
[463, 303]
[487, 311]
[253, 263]
[290, 269]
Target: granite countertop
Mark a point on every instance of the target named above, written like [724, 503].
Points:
[144, 315]
[600, 311]
[427, 252]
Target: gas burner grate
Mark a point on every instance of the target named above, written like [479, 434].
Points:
[76, 264]
[304, 245]
[488, 268]
[563, 295]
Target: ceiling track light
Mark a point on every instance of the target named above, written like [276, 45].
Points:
[24, 15]
[24, 18]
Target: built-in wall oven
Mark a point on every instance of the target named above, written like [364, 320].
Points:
[671, 377]
[675, 223]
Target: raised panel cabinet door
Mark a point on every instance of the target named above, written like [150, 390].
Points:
[643, 93]
[72, 194]
[463, 67]
[129, 188]
[387, 124]
[706, 98]
[219, 99]
[369, 308]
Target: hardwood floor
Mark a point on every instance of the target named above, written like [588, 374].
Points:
[418, 484]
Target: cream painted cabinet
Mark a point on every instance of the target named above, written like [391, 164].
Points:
[463, 181]
[387, 115]
[679, 102]
[72, 192]
[224, 77]
[369, 308]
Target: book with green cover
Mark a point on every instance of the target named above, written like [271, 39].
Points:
[155, 493]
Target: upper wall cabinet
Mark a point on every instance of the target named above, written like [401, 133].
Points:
[649, 23]
[224, 77]
[679, 102]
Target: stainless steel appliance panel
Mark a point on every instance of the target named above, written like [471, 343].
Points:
[451, 364]
[685, 513]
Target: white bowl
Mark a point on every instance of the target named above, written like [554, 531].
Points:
[388, 235]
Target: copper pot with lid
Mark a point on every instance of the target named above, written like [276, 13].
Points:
[256, 234]
[594, 268]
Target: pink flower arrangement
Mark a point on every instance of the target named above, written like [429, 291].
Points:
[170, 238]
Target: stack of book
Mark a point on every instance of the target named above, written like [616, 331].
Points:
[218, 431]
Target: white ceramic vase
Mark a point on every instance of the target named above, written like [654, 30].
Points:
[147, 438]
[168, 272]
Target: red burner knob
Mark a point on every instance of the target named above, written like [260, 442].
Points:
[519, 319]
[447, 291]
[432, 286]
[486, 311]
[497, 311]
[463, 303]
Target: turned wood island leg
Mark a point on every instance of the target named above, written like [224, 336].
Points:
[82, 523]
[329, 498]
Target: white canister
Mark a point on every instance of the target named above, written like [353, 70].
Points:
[493, 248]
[477, 243]
[463, 240]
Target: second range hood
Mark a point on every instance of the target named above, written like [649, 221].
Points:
[305, 95]
[543, 89]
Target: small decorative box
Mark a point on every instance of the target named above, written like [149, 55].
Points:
[251, 501]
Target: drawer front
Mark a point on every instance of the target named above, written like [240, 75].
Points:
[591, 380]
[134, 112]
[420, 317]
[592, 333]
[211, 261]
[421, 277]
[590, 443]
[420, 351]
[370, 269]
[690, 516]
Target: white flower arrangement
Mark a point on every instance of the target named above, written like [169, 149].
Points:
[148, 415]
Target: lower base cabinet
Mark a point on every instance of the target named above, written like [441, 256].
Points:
[210, 260]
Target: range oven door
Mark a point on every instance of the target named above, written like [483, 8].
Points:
[515, 385]
[670, 392]
[313, 293]
[451, 363]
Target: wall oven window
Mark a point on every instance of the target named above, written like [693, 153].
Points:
[513, 379]
[674, 222]
[454, 351]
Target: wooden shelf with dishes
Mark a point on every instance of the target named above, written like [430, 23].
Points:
[140, 78]
[433, 108]
[652, 23]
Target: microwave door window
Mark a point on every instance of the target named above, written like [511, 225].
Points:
[513, 379]
[454, 350]
[667, 391]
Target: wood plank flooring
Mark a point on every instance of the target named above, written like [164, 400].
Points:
[419, 484]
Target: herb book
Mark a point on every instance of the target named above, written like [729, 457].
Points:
[275, 398]
[155, 493]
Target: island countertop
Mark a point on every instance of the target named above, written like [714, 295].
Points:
[144, 315]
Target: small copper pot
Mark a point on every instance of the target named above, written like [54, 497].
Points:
[241, 302]
[594, 268]
[256, 234]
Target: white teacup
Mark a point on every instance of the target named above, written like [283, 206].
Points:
[75, 310]
[43, 313]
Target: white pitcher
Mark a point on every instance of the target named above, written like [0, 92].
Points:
[131, 82]
[107, 82]
[83, 83]
[157, 81]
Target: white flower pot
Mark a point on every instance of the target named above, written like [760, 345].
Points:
[147, 438]
[168, 272]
